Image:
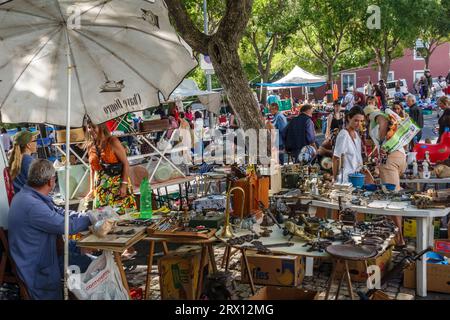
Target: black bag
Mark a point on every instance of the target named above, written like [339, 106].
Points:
[111, 169]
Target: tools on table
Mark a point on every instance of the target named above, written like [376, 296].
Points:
[261, 248]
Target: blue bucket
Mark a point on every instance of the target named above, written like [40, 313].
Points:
[356, 179]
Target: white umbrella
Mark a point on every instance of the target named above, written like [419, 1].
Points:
[121, 54]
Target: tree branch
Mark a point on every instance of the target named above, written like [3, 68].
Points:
[234, 22]
[187, 29]
[257, 52]
[311, 47]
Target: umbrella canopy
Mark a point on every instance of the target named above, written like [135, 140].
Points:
[297, 78]
[124, 53]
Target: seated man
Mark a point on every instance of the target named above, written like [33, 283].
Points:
[34, 225]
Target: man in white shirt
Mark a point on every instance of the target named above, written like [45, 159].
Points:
[349, 100]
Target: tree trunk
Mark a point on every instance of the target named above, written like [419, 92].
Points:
[265, 79]
[227, 65]
[427, 60]
[384, 69]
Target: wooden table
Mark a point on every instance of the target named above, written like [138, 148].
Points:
[424, 235]
[298, 249]
[420, 181]
[207, 254]
[117, 252]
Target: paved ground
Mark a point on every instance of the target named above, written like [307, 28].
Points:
[318, 282]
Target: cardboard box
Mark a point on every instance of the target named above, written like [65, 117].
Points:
[438, 275]
[275, 270]
[284, 293]
[179, 273]
[357, 269]
[76, 135]
[410, 228]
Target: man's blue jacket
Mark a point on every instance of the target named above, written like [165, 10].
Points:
[34, 223]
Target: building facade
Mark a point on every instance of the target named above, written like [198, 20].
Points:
[409, 67]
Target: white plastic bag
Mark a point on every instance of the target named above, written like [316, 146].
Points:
[101, 281]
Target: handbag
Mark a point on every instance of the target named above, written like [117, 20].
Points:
[111, 169]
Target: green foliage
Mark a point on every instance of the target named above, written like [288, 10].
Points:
[326, 27]
[400, 21]
[435, 25]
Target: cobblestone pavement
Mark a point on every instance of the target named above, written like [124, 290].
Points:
[394, 289]
[136, 271]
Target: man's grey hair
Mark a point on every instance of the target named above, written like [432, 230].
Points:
[40, 173]
[411, 97]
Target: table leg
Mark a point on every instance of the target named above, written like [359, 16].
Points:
[224, 259]
[249, 272]
[227, 262]
[333, 275]
[309, 268]
[149, 270]
[122, 272]
[421, 265]
[349, 280]
[181, 197]
[165, 248]
[212, 258]
[339, 286]
[200, 273]
[430, 222]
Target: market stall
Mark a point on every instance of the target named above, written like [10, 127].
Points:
[108, 74]
[296, 78]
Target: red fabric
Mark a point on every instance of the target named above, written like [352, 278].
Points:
[379, 101]
[9, 185]
[112, 125]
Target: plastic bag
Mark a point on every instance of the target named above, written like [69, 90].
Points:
[102, 214]
[146, 199]
[101, 281]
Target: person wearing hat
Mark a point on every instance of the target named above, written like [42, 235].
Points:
[395, 164]
[20, 158]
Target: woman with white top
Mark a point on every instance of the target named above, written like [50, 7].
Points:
[347, 156]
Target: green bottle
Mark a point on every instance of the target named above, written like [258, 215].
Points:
[146, 199]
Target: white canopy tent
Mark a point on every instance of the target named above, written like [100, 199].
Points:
[296, 78]
[189, 88]
[299, 77]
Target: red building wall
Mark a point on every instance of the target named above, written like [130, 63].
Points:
[404, 67]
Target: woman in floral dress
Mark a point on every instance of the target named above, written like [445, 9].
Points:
[109, 186]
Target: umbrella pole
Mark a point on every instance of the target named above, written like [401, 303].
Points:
[67, 196]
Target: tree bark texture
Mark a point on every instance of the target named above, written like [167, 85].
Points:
[222, 47]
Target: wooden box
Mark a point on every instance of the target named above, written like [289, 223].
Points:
[154, 125]
[76, 135]
[256, 189]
